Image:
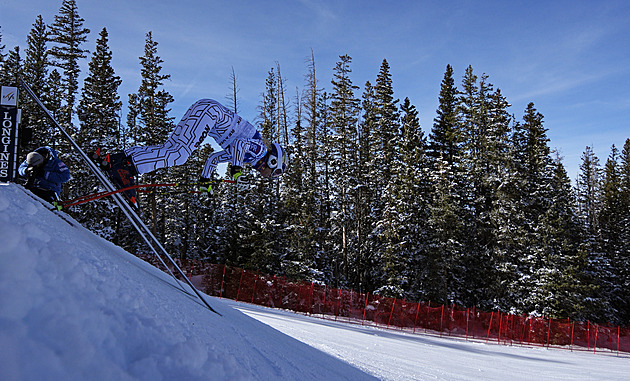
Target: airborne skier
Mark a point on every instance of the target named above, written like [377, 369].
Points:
[241, 143]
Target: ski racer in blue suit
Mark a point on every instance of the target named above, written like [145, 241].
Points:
[45, 173]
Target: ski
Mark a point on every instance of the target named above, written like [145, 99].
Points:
[154, 244]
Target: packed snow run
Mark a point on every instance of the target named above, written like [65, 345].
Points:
[76, 307]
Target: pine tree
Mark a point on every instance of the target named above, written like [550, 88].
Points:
[98, 113]
[480, 130]
[589, 195]
[387, 167]
[100, 105]
[233, 95]
[366, 194]
[300, 198]
[343, 123]
[4, 75]
[622, 266]
[154, 124]
[14, 67]
[446, 138]
[298, 204]
[610, 235]
[564, 284]
[436, 279]
[52, 96]
[589, 198]
[406, 208]
[535, 170]
[67, 34]
[149, 122]
[258, 210]
[35, 73]
[326, 257]
[387, 127]
[493, 172]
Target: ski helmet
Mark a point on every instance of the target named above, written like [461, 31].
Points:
[34, 159]
[277, 160]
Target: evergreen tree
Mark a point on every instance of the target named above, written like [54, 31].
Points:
[480, 130]
[325, 259]
[564, 285]
[35, 73]
[622, 265]
[446, 138]
[610, 234]
[589, 195]
[67, 34]
[233, 95]
[100, 105]
[150, 123]
[387, 127]
[301, 197]
[406, 208]
[98, 114]
[366, 194]
[258, 211]
[4, 75]
[52, 96]
[535, 169]
[436, 279]
[387, 166]
[494, 171]
[343, 123]
[14, 67]
[298, 203]
[151, 101]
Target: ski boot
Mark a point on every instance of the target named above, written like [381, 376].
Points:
[121, 171]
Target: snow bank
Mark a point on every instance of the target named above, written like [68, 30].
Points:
[75, 307]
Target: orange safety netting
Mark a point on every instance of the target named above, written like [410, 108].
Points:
[347, 305]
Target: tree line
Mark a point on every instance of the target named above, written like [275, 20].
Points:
[478, 211]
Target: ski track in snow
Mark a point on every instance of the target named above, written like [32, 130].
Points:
[76, 307]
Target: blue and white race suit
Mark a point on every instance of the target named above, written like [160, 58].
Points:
[241, 142]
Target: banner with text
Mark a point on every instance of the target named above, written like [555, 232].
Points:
[9, 113]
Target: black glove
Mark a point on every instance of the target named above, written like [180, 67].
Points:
[35, 171]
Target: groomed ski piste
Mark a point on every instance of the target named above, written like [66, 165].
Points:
[73, 306]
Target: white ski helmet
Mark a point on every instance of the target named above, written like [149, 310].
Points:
[274, 163]
[34, 159]
[277, 160]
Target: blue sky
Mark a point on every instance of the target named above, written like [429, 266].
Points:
[570, 58]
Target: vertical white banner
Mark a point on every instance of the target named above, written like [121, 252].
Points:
[8, 133]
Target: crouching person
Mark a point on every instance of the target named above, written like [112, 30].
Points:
[45, 173]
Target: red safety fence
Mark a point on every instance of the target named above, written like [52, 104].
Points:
[368, 309]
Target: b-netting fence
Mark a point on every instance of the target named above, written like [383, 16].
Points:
[368, 309]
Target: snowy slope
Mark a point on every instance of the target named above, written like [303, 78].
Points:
[76, 307]
[395, 355]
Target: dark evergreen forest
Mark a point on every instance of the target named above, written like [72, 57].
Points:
[475, 209]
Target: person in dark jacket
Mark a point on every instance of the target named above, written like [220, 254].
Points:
[45, 173]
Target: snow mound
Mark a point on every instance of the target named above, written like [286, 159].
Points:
[75, 307]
